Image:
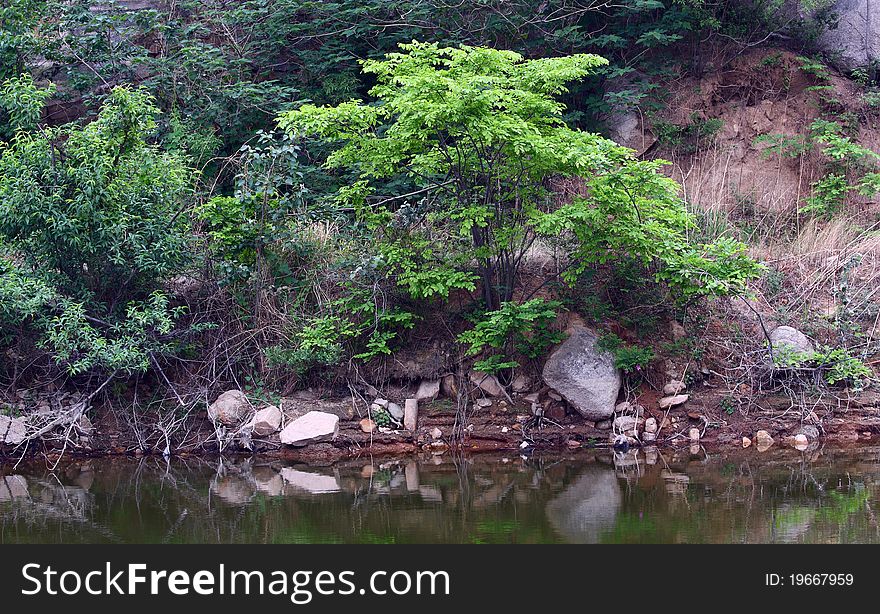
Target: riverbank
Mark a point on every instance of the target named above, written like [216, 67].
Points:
[525, 422]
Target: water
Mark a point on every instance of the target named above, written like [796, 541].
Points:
[669, 497]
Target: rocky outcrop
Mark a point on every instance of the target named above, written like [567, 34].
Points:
[584, 375]
[314, 427]
[851, 38]
[230, 408]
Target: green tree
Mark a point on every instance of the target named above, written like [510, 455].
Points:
[481, 137]
[95, 218]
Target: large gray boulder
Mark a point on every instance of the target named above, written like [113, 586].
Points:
[788, 342]
[314, 427]
[584, 375]
[852, 39]
[230, 408]
[849, 30]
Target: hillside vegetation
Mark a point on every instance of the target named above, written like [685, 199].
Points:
[357, 197]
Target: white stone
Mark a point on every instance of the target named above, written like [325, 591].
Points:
[668, 402]
[428, 390]
[312, 483]
[266, 421]
[673, 388]
[314, 427]
[584, 375]
[395, 411]
[12, 430]
[411, 413]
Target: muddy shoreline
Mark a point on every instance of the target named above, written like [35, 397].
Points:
[853, 421]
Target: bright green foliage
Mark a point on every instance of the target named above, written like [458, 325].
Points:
[124, 345]
[478, 134]
[849, 167]
[22, 296]
[635, 210]
[247, 227]
[96, 214]
[477, 131]
[628, 358]
[837, 365]
[515, 329]
[22, 102]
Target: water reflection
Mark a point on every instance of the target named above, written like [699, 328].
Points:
[645, 496]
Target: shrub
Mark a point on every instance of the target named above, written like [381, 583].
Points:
[95, 216]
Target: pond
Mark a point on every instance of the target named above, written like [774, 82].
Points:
[658, 496]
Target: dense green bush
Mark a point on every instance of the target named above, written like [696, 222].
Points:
[95, 217]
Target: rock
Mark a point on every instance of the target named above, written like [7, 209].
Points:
[449, 387]
[622, 408]
[266, 421]
[12, 430]
[487, 383]
[625, 424]
[746, 442]
[651, 425]
[673, 388]
[314, 427]
[556, 411]
[411, 414]
[587, 509]
[436, 433]
[573, 444]
[648, 437]
[428, 390]
[381, 403]
[312, 483]
[667, 402]
[230, 408]
[395, 411]
[367, 425]
[677, 330]
[787, 340]
[853, 40]
[604, 425]
[810, 431]
[504, 429]
[801, 442]
[694, 434]
[484, 402]
[763, 438]
[521, 383]
[532, 398]
[553, 395]
[13, 487]
[584, 375]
